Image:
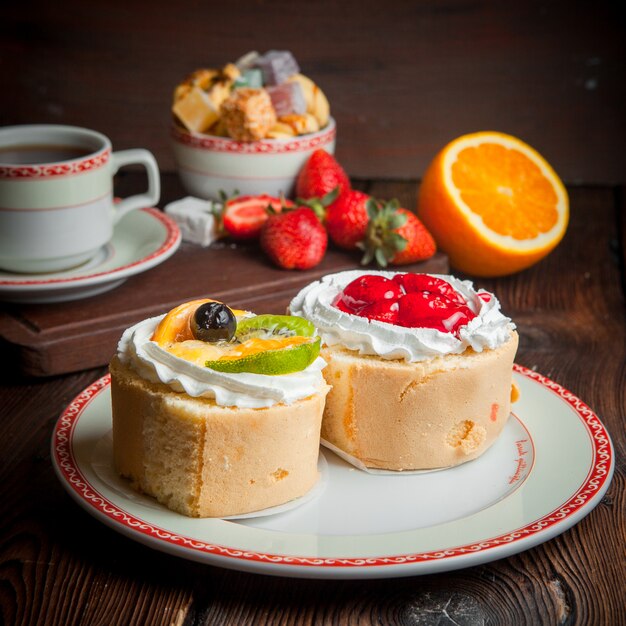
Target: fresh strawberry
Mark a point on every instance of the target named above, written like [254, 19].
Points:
[320, 175]
[420, 243]
[294, 239]
[366, 290]
[346, 219]
[244, 216]
[395, 236]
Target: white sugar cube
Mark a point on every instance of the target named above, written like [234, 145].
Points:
[196, 219]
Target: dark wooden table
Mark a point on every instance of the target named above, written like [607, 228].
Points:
[58, 565]
[403, 78]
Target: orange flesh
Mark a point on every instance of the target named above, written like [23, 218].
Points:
[506, 189]
[199, 352]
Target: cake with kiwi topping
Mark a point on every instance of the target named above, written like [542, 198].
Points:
[217, 412]
[420, 367]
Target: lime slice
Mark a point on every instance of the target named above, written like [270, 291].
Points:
[271, 357]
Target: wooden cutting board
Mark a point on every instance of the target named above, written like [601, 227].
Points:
[47, 339]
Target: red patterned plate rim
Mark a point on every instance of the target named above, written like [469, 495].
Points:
[595, 484]
[172, 238]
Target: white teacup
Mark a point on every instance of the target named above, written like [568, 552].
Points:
[56, 195]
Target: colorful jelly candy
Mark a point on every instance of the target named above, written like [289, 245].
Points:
[287, 98]
[277, 66]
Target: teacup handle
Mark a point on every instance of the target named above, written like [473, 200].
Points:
[148, 199]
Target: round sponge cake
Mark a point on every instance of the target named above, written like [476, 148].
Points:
[206, 460]
[392, 414]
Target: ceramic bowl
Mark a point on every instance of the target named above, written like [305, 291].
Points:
[207, 164]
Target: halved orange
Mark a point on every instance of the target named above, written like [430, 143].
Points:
[493, 204]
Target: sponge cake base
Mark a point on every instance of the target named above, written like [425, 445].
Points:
[407, 416]
[205, 460]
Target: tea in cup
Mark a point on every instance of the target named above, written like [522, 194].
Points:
[56, 195]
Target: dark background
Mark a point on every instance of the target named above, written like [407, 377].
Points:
[403, 78]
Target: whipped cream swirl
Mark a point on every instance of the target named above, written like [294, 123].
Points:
[248, 391]
[488, 330]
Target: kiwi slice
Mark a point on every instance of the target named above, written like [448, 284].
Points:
[271, 345]
[267, 326]
[288, 358]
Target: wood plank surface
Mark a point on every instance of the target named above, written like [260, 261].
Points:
[58, 565]
[403, 78]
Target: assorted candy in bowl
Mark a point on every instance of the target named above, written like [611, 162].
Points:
[249, 126]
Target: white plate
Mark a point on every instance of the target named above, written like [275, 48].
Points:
[141, 240]
[550, 468]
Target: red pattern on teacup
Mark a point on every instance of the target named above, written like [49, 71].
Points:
[56, 169]
[271, 146]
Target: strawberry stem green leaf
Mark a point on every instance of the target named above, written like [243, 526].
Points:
[380, 256]
[318, 205]
[382, 241]
[397, 220]
[330, 197]
[224, 197]
[372, 208]
[367, 257]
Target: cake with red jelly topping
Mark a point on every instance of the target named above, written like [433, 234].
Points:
[420, 367]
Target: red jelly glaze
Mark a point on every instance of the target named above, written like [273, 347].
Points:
[409, 300]
[412, 283]
[383, 311]
[367, 290]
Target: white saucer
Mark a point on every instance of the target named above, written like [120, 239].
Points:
[141, 240]
[549, 468]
